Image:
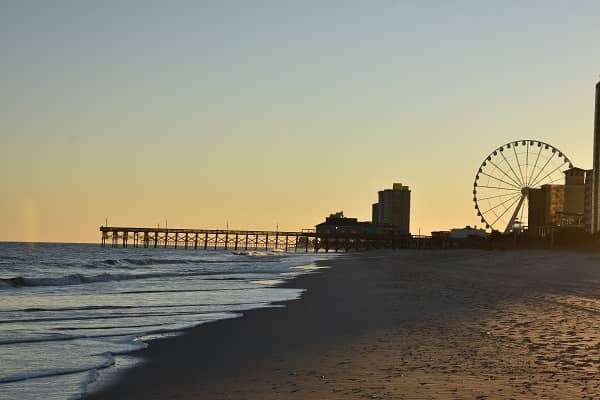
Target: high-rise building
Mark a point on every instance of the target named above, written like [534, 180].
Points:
[545, 204]
[595, 215]
[393, 208]
[588, 202]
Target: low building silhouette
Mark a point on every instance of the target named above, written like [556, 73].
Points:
[375, 214]
[337, 223]
[564, 206]
[572, 215]
[467, 232]
[574, 191]
[460, 233]
[544, 205]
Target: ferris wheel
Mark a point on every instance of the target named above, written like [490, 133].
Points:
[506, 177]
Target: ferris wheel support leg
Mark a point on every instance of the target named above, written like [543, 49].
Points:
[511, 223]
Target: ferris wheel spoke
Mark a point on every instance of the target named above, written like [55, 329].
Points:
[499, 204]
[505, 211]
[505, 174]
[500, 180]
[496, 187]
[526, 162]
[511, 168]
[543, 168]
[535, 164]
[495, 197]
[518, 163]
[553, 171]
[554, 181]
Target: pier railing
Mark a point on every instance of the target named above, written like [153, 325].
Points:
[237, 240]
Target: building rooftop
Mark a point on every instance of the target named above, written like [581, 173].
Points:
[575, 169]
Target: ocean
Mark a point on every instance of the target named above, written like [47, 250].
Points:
[70, 313]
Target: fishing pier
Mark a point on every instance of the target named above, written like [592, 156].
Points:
[238, 240]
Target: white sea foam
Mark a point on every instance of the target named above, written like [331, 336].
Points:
[269, 282]
[309, 267]
[255, 253]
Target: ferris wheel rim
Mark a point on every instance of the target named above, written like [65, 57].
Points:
[517, 142]
[517, 190]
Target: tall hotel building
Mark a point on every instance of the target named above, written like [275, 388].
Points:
[589, 199]
[595, 212]
[393, 208]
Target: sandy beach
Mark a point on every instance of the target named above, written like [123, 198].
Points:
[398, 325]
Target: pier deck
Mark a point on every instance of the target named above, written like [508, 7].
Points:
[205, 239]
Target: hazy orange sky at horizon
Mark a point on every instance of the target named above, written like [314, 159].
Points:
[276, 114]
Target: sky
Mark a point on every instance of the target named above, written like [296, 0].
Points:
[276, 113]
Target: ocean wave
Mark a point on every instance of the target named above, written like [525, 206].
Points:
[17, 281]
[161, 261]
[146, 261]
[107, 361]
[40, 338]
[76, 279]
[118, 316]
[79, 279]
[158, 328]
[107, 307]
[130, 262]
[12, 258]
[47, 313]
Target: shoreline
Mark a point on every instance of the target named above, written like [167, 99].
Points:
[158, 349]
[406, 324]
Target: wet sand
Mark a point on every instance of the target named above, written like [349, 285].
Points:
[398, 325]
